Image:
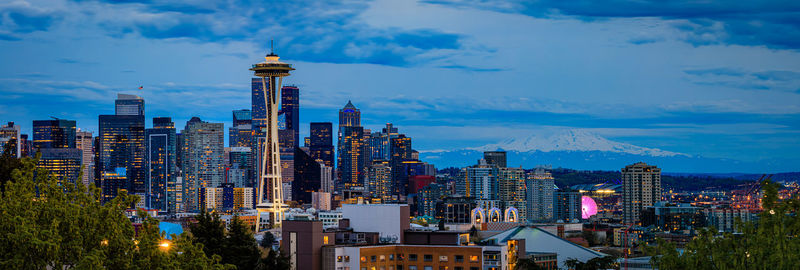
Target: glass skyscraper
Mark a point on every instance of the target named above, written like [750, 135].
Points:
[128, 105]
[57, 133]
[203, 165]
[321, 142]
[162, 170]
[120, 155]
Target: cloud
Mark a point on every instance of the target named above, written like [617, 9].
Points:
[312, 31]
[777, 80]
[771, 23]
[475, 69]
[20, 17]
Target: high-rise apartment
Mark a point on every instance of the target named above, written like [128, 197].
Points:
[84, 142]
[10, 134]
[540, 195]
[495, 158]
[162, 170]
[641, 187]
[321, 142]
[511, 190]
[202, 159]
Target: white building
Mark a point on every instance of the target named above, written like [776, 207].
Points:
[540, 195]
[321, 201]
[389, 220]
[330, 219]
[541, 241]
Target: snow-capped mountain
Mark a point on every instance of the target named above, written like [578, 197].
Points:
[579, 149]
[573, 140]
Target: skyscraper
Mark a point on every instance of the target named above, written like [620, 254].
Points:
[511, 190]
[241, 133]
[379, 180]
[478, 182]
[10, 134]
[641, 187]
[242, 167]
[162, 173]
[290, 108]
[202, 159]
[321, 142]
[540, 196]
[120, 155]
[349, 116]
[568, 205]
[84, 142]
[496, 158]
[129, 105]
[351, 159]
[57, 133]
[307, 176]
[400, 150]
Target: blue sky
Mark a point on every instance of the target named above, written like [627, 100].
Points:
[709, 78]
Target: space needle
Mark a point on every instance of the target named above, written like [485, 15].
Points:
[271, 72]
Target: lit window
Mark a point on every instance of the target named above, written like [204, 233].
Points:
[324, 240]
[363, 259]
[473, 258]
[339, 259]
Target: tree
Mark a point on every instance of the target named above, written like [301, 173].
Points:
[240, 247]
[275, 261]
[209, 231]
[771, 243]
[268, 239]
[48, 224]
[590, 236]
[8, 162]
[606, 262]
[527, 264]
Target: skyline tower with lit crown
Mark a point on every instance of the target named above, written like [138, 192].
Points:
[271, 72]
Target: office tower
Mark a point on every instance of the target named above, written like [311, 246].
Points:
[496, 158]
[57, 133]
[379, 180]
[271, 72]
[306, 176]
[568, 205]
[241, 169]
[641, 187]
[129, 105]
[351, 160]
[455, 209]
[120, 155]
[326, 178]
[349, 116]
[83, 141]
[63, 163]
[202, 159]
[321, 142]
[511, 190]
[241, 133]
[26, 145]
[162, 173]
[540, 195]
[428, 196]
[290, 108]
[400, 149]
[10, 135]
[478, 182]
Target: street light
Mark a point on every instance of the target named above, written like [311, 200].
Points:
[164, 245]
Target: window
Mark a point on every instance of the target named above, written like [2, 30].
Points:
[473, 258]
[400, 257]
[459, 258]
[399, 267]
[428, 267]
[363, 259]
[473, 268]
[443, 268]
[428, 257]
[391, 257]
[412, 267]
[346, 258]
[383, 258]
[339, 259]
[324, 240]
[443, 258]
[412, 257]
[458, 268]
[372, 258]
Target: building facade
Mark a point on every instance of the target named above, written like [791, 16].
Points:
[641, 187]
[162, 170]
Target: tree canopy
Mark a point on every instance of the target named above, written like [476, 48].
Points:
[48, 224]
[770, 243]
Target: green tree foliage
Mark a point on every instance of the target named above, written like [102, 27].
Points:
[770, 243]
[268, 239]
[527, 264]
[8, 162]
[45, 224]
[236, 246]
[607, 262]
